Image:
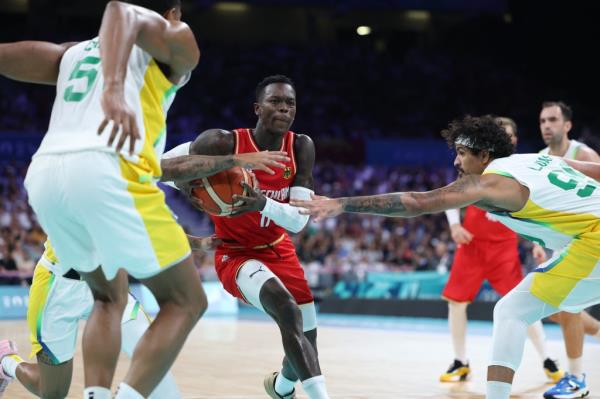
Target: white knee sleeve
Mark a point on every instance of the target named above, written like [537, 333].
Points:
[512, 315]
[250, 279]
[253, 275]
[309, 316]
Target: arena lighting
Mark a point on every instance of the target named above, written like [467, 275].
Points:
[418, 15]
[228, 6]
[363, 30]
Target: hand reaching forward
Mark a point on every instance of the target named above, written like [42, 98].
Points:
[320, 207]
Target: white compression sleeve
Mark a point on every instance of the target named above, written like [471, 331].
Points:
[178, 151]
[285, 215]
[453, 216]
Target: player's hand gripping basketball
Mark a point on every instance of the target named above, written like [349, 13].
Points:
[264, 160]
[122, 117]
[320, 207]
[254, 200]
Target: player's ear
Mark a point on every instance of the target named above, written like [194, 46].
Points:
[256, 108]
[568, 125]
[485, 156]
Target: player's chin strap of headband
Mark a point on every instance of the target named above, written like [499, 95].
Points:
[470, 143]
[285, 215]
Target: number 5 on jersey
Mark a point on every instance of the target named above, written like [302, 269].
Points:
[86, 68]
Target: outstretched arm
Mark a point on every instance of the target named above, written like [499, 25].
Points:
[495, 191]
[32, 61]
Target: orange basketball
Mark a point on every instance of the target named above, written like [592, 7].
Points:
[217, 191]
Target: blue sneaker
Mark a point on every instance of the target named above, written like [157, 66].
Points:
[568, 387]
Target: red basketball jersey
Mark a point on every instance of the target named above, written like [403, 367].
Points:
[253, 229]
[484, 227]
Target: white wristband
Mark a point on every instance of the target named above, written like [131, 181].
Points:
[453, 216]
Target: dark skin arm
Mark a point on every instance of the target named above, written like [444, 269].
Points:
[170, 42]
[490, 192]
[195, 166]
[32, 61]
[304, 151]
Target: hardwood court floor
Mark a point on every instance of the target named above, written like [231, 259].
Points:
[227, 359]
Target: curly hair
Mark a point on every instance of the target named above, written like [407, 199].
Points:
[481, 133]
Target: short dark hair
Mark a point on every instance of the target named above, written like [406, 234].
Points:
[262, 85]
[482, 133]
[506, 121]
[160, 6]
[566, 111]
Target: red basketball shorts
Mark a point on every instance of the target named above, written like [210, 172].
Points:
[495, 261]
[282, 261]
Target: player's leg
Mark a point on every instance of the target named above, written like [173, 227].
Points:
[264, 290]
[182, 301]
[466, 277]
[512, 316]
[284, 381]
[504, 272]
[572, 328]
[134, 325]
[591, 325]
[102, 334]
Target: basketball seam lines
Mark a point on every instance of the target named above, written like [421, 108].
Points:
[214, 196]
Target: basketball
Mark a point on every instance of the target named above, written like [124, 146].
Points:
[217, 191]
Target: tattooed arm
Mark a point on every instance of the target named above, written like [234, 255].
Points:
[210, 154]
[489, 191]
[458, 194]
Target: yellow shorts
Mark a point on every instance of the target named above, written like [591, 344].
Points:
[570, 279]
[102, 210]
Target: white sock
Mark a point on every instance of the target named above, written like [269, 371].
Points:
[315, 388]
[9, 365]
[457, 321]
[127, 392]
[535, 332]
[498, 390]
[576, 367]
[97, 393]
[131, 332]
[283, 386]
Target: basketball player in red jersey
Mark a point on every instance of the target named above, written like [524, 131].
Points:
[257, 261]
[486, 250]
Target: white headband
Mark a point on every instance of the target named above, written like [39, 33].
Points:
[469, 143]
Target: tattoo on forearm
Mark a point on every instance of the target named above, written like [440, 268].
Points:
[410, 203]
[388, 204]
[194, 167]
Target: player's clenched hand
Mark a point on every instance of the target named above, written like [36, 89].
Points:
[188, 190]
[320, 207]
[539, 253]
[460, 235]
[264, 160]
[122, 117]
[253, 201]
[204, 243]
